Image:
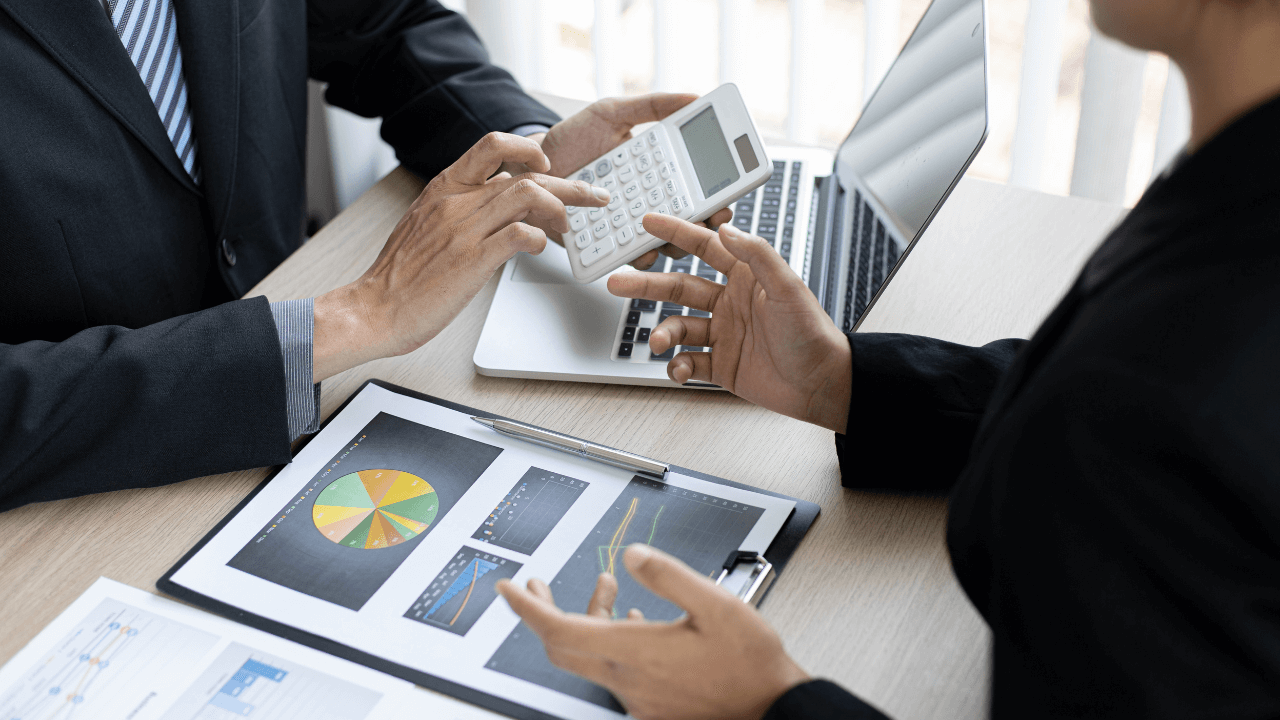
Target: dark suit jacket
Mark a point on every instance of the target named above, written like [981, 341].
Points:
[118, 366]
[1115, 482]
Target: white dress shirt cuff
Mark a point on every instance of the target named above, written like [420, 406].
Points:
[295, 326]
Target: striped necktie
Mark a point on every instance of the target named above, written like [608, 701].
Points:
[150, 36]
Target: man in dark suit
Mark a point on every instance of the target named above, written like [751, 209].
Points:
[152, 171]
[1114, 482]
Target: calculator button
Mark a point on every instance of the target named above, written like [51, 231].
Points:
[582, 239]
[655, 197]
[637, 207]
[652, 137]
[624, 349]
[664, 171]
[615, 201]
[625, 235]
[595, 214]
[684, 202]
[586, 176]
[619, 218]
[626, 174]
[609, 184]
[603, 167]
[640, 231]
[637, 146]
[659, 155]
[631, 192]
[663, 209]
[649, 179]
[619, 157]
[601, 228]
[671, 187]
[595, 252]
[577, 221]
[644, 162]
[677, 206]
[642, 335]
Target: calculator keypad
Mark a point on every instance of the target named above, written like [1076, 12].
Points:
[642, 177]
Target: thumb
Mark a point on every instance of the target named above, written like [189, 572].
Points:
[647, 108]
[669, 578]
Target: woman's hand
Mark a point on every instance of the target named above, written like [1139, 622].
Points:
[771, 342]
[721, 660]
[466, 223]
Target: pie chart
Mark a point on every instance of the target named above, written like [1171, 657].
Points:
[375, 509]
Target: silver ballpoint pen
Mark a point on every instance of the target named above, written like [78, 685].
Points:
[567, 443]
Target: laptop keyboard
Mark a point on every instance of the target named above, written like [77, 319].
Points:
[775, 209]
[764, 213]
[874, 254]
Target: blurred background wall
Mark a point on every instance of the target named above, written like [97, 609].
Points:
[1071, 112]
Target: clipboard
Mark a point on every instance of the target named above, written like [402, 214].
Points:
[778, 553]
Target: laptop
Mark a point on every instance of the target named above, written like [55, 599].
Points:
[845, 222]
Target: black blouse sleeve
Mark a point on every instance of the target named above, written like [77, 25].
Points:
[915, 408]
[821, 700]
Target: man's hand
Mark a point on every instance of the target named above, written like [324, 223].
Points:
[462, 228]
[771, 342]
[721, 660]
[601, 127]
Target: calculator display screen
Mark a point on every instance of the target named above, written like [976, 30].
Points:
[710, 152]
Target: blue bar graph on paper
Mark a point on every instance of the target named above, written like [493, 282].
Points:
[474, 571]
[230, 704]
[228, 697]
[264, 670]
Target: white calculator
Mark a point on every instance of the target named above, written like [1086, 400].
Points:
[698, 160]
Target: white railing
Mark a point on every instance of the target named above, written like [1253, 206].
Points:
[521, 38]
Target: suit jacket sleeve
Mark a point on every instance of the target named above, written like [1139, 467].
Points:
[821, 700]
[915, 408]
[422, 69]
[112, 408]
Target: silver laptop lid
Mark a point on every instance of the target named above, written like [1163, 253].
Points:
[913, 142]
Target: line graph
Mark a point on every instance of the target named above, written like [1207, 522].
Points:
[115, 654]
[699, 529]
[463, 590]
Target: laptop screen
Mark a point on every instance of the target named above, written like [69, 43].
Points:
[924, 123]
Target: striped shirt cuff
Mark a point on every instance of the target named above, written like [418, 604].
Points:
[295, 326]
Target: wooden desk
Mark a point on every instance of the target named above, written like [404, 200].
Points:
[869, 600]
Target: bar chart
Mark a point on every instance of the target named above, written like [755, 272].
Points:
[245, 683]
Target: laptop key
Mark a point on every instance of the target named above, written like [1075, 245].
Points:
[670, 353]
[628, 334]
[633, 317]
[642, 335]
[624, 350]
[644, 305]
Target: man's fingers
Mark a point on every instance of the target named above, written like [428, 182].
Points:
[719, 218]
[688, 290]
[606, 592]
[645, 108]
[540, 590]
[669, 578]
[771, 271]
[635, 614]
[484, 158]
[512, 239]
[680, 330]
[688, 366]
[689, 237]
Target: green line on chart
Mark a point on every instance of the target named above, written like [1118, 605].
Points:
[655, 524]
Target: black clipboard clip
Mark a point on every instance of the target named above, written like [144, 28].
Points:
[758, 582]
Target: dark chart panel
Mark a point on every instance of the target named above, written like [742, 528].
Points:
[527, 514]
[699, 529]
[462, 591]
[357, 520]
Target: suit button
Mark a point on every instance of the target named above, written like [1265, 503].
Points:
[228, 252]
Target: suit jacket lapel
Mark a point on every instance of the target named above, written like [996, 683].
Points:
[79, 37]
[209, 34]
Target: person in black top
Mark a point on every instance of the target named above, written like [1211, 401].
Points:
[1114, 482]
